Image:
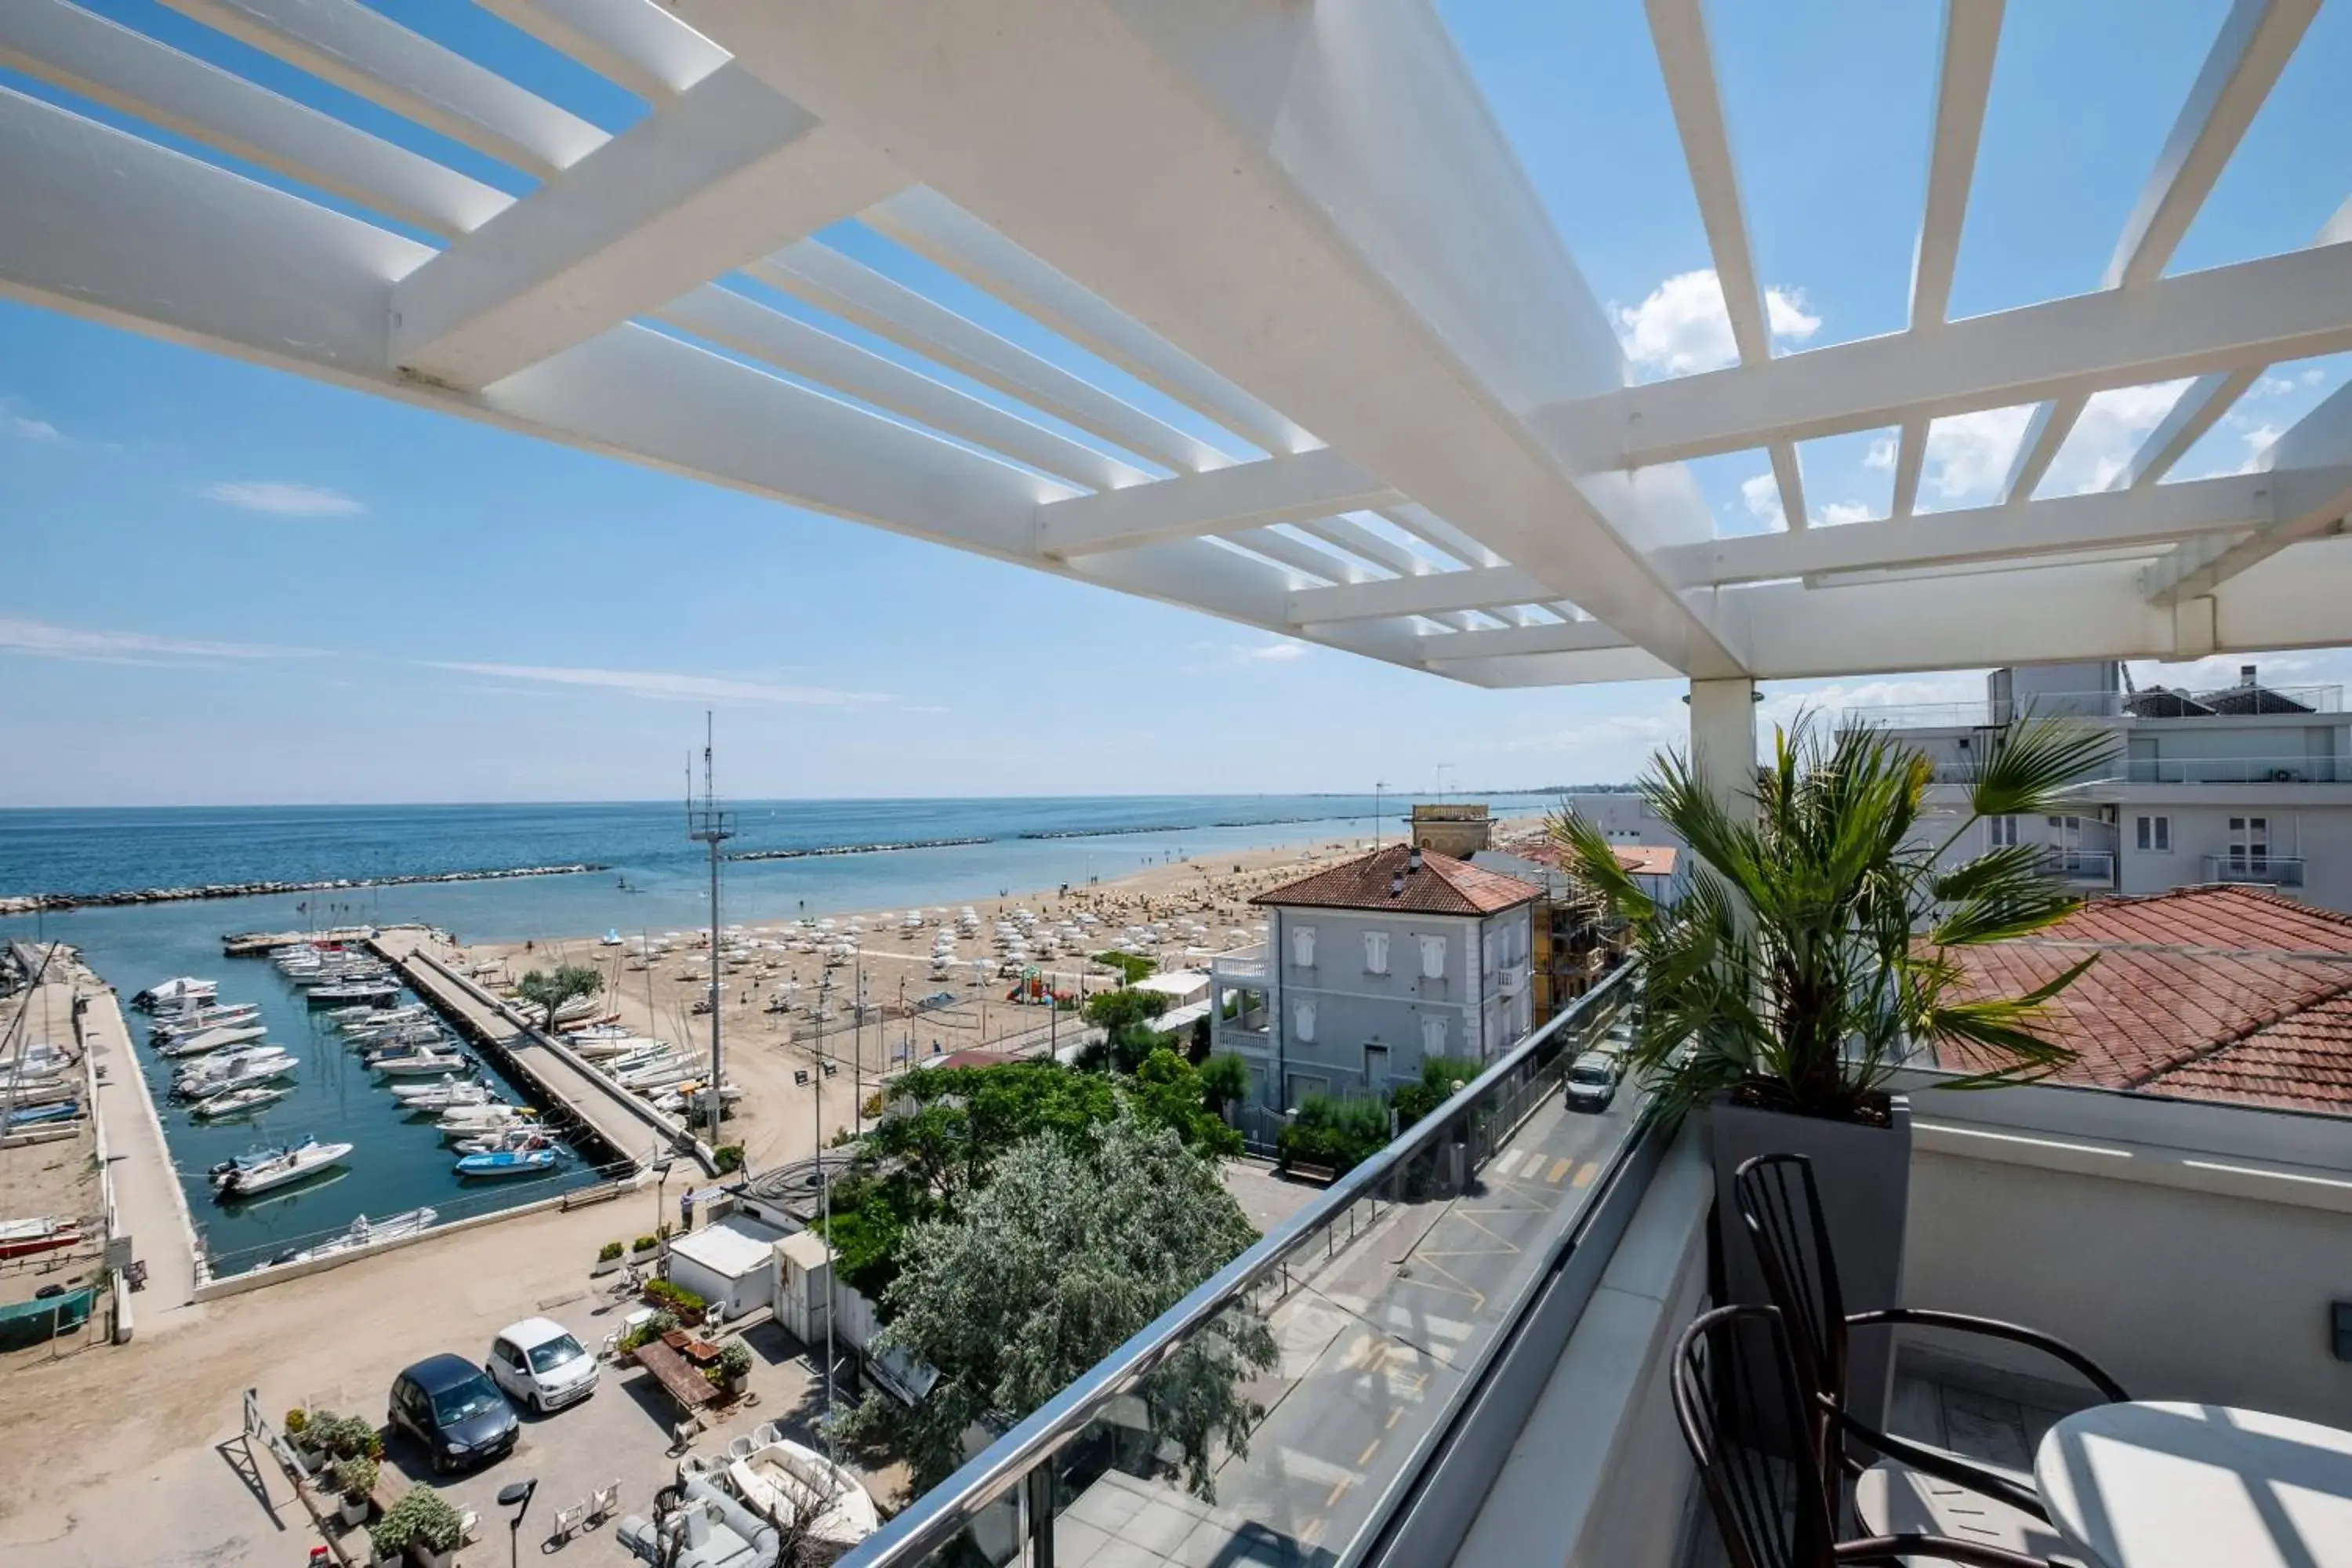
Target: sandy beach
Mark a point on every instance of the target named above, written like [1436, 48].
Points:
[769, 1051]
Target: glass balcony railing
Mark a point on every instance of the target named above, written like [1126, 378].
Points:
[2236, 770]
[2228, 701]
[2262, 870]
[1279, 1412]
[2081, 865]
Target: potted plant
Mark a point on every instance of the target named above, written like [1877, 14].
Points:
[644, 1244]
[734, 1366]
[608, 1257]
[300, 1434]
[354, 1480]
[422, 1524]
[1815, 947]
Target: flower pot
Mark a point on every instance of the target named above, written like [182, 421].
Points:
[605, 1265]
[425, 1557]
[354, 1510]
[1865, 1176]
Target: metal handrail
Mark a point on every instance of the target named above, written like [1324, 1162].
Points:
[939, 1515]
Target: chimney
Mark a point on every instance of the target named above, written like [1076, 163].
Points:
[2245, 675]
[1396, 885]
[1413, 858]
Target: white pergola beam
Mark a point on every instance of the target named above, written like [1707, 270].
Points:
[637, 42]
[2019, 530]
[2200, 406]
[831, 281]
[2257, 39]
[363, 52]
[746, 327]
[68, 47]
[2228, 318]
[1910, 457]
[1481, 588]
[1590, 666]
[1272, 489]
[717, 177]
[2311, 495]
[945, 234]
[1972, 40]
[1789, 477]
[1299, 557]
[1507, 642]
[1678, 31]
[2045, 433]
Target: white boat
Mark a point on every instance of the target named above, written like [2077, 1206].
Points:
[362, 1020]
[799, 1490]
[472, 1120]
[607, 1048]
[421, 1063]
[442, 1096]
[234, 1071]
[238, 1101]
[354, 991]
[26, 1093]
[219, 1037]
[415, 1034]
[575, 1010]
[521, 1136]
[187, 1021]
[185, 990]
[365, 1232]
[266, 1169]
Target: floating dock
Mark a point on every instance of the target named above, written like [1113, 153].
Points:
[626, 1126]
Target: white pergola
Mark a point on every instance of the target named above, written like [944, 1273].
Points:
[1296, 220]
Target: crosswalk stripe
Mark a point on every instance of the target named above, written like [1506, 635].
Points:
[1586, 1172]
[1559, 1168]
[1503, 1166]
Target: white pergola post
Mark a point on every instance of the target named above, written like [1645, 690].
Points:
[1723, 741]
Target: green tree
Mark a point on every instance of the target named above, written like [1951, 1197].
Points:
[1167, 1092]
[552, 989]
[1412, 1101]
[1225, 1081]
[1071, 1246]
[1814, 946]
[1125, 1017]
[1336, 1133]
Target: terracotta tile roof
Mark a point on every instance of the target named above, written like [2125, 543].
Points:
[1641, 859]
[2209, 993]
[1443, 886]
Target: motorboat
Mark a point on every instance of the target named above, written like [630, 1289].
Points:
[188, 1020]
[420, 1064]
[442, 1096]
[403, 1035]
[472, 1121]
[218, 1039]
[206, 1079]
[243, 1101]
[360, 1020]
[804, 1493]
[518, 1137]
[45, 1233]
[356, 990]
[266, 1169]
[42, 1115]
[185, 989]
[365, 1232]
[502, 1163]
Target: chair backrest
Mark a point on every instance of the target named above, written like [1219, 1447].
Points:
[1781, 1206]
[1736, 1389]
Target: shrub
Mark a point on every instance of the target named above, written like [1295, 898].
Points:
[644, 1244]
[354, 1478]
[728, 1157]
[1434, 1088]
[1338, 1134]
[297, 1421]
[677, 1296]
[735, 1361]
[609, 1251]
[1133, 965]
[422, 1518]
[652, 1329]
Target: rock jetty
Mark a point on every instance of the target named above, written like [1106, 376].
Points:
[853, 849]
[27, 903]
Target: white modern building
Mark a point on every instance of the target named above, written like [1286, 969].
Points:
[2247, 783]
[1373, 966]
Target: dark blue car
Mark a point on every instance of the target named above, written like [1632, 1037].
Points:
[446, 1404]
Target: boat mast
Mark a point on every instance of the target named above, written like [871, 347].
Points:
[712, 827]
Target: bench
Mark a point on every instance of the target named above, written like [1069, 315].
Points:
[674, 1373]
[1321, 1176]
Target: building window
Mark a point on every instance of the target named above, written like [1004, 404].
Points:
[1376, 1066]
[1302, 946]
[1433, 1035]
[1376, 952]
[2250, 843]
[2156, 835]
[1433, 958]
[1487, 953]
[2001, 832]
[1302, 1017]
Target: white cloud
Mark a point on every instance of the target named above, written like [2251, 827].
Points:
[2220, 669]
[1882, 453]
[2271, 386]
[1683, 327]
[1618, 730]
[1278, 651]
[1781, 706]
[1838, 513]
[664, 686]
[2098, 450]
[39, 639]
[41, 430]
[2258, 441]
[1968, 454]
[280, 498]
[1760, 493]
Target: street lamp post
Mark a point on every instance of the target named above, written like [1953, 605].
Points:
[661, 1186]
[516, 1495]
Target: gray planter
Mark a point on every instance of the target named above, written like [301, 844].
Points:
[1865, 1176]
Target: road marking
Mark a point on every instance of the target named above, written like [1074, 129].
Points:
[1313, 1532]
[1366, 1456]
[1345, 1482]
[1503, 1166]
[1585, 1173]
[1559, 1168]
[1389, 1426]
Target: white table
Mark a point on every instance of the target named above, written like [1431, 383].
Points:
[2197, 1486]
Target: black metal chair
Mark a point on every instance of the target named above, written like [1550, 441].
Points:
[1736, 1390]
[1780, 1204]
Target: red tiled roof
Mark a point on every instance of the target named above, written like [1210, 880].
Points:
[1641, 859]
[2209, 993]
[1443, 886]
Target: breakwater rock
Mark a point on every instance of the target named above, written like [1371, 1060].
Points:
[27, 903]
[853, 849]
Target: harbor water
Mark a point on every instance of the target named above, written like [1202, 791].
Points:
[655, 881]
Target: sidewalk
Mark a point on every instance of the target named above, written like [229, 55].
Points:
[150, 1207]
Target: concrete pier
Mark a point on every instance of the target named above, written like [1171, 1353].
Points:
[629, 1128]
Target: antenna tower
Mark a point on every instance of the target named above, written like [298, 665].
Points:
[705, 824]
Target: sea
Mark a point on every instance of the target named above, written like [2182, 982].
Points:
[656, 880]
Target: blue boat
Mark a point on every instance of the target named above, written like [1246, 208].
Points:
[508, 1162]
[38, 1115]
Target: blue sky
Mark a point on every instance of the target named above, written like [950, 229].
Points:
[224, 583]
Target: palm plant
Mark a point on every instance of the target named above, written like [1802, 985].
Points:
[1814, 947]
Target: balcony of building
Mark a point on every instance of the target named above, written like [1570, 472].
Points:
[2257, 870]
[1464, 1344]
[1993, 713]
[2081, 867]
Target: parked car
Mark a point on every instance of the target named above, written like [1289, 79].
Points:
[538, 1363]
[446, 1404]
[1592, 1080]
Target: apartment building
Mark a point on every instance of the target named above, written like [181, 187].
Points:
[1370, 967]
[2248, 784]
